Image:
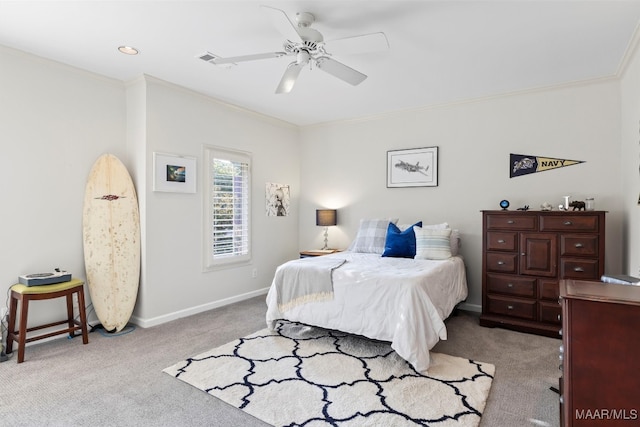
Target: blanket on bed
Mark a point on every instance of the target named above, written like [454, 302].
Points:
[305, 280]
[401, 300]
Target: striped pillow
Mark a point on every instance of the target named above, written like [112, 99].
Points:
[432, 243]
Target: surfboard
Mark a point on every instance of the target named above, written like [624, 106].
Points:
[111, 241]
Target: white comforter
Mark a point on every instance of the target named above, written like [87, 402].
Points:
[401, 300]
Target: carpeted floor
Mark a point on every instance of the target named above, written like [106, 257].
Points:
[118, 381]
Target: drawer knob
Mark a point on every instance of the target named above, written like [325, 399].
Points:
[501, 241]
[500, 262]
[579, 245]
[568, 223]
[509, 285]
[511, 221]
[509, 307]
[578, 269]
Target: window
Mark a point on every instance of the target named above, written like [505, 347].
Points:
[227, 207]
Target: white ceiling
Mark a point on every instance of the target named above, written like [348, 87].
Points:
[440, 51]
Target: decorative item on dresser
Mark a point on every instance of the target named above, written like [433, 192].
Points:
[599, 354]
[525, 254]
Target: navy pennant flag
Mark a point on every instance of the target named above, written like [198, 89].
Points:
[523, 164]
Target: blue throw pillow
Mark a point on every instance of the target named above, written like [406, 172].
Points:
[400, 244]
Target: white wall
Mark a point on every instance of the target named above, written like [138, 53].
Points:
[55, 121]
[630, 153]
[180, 122]
[344, 165]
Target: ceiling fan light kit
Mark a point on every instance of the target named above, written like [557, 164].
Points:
[307, 45]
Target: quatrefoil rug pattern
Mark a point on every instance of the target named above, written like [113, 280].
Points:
[299, 375]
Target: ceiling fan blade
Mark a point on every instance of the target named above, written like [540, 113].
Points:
[339, 70]
[366, 43]
[289, 77]
[243, 58]
[282, 23]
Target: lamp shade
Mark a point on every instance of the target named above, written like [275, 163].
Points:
[326, 217]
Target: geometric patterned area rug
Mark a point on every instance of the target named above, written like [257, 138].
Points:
[298, 375]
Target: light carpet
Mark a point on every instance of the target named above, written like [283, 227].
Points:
[299, 375]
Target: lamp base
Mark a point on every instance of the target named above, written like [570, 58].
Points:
[326, 239]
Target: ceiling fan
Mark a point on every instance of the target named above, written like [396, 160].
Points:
[308, 46]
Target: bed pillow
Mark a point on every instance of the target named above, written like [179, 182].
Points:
[437, 226]
[454, 241]
[400, 243]
[433, 243]
[371, 235]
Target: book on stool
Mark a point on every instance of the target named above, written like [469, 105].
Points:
[36, 279]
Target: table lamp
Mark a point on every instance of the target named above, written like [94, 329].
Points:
[326, 218]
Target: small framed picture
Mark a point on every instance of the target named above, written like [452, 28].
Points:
[173, 173]
[415, 167]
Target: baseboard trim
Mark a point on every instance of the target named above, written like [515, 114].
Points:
[159, 320]
[476, 308]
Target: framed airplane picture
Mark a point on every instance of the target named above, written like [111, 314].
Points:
[414, 167]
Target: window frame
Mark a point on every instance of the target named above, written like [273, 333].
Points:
[211, 262]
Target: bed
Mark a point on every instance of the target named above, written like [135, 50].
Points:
[398, 299]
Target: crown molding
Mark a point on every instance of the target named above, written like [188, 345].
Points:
[629, 53]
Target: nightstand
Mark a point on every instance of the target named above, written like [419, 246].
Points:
[318, 252]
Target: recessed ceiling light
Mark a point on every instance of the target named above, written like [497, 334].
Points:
[128, 50]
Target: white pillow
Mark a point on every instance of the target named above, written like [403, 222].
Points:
[437, 226]
[433, 243]
[371, 236]
[454, 241]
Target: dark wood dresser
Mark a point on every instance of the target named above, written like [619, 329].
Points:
[525, 254]
[600, 383]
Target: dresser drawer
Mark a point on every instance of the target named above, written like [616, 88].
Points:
[502, 241]
[511, 285]
[582, 222]
[575, 268]
[549, 312]
[580, 245]
[514, 307]
[502, 262]
[548, 289]
[511, 222]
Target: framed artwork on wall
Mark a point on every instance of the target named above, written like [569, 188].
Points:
[415, 167]
[173, 173]
[278, 199]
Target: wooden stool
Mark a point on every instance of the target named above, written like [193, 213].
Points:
[24, 294]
